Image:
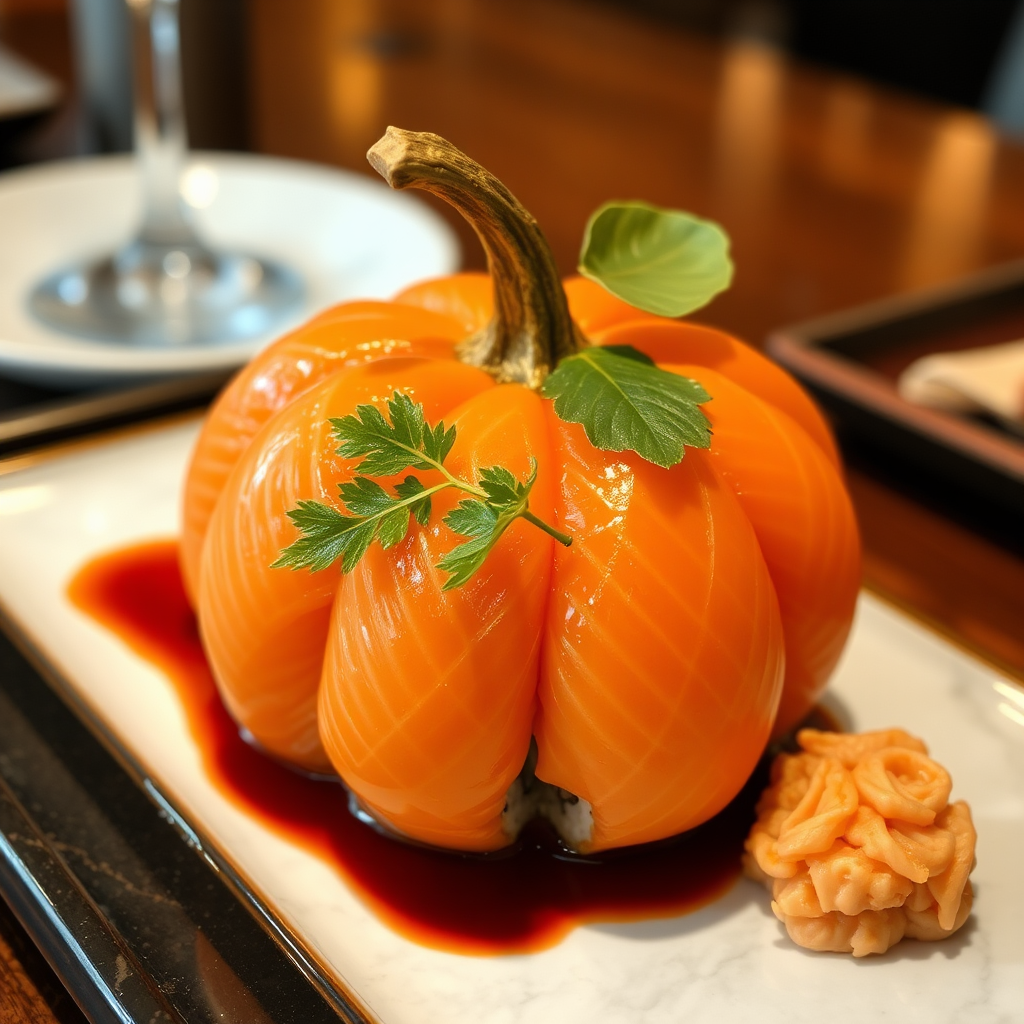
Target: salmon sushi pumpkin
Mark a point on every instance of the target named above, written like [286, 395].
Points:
[491, 550]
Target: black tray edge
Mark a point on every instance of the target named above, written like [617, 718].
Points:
[974, 456]
[40, 424]
[92, 960]
[345, 1003]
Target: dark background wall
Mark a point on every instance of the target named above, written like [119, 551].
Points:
[945, 49]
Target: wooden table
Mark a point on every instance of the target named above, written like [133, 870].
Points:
[834, 192]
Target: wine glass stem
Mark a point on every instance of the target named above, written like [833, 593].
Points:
[160, 136]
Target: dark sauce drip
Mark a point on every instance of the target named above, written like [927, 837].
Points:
[516, 901]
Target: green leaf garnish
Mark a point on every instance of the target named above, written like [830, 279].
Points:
[388, 446]
[662, 261]
[626, 403]
[404, 443]
[326, 535]
[484, 521]
[410, 487]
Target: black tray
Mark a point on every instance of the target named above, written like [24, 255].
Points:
[851, 361]
[32, 415]
[138, 920]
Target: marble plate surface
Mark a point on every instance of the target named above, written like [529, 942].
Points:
[728, 961]
[347, 235]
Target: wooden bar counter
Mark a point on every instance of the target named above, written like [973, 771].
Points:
[834, 192]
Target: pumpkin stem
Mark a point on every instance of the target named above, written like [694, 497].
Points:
[531, 329]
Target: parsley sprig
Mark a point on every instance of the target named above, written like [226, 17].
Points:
[388, 446]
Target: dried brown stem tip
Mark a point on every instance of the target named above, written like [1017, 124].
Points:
[531, 329]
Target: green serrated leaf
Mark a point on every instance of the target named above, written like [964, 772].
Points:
[315, 518]
[409, 488]
[472, 518]
[328, 534]
[484, 521]
[481, 522]
[360, 537]
[628, 352]
[386, 448]
[626, 404]
[464, 560]
[437, 442]
[365, 497]
[394, 525]
[663, 261]
[323, 538]
[502, 488]
[407, 420]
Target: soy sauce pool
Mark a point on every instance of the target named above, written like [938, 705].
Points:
[517, 901]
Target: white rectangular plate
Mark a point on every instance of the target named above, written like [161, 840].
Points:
[729, 961]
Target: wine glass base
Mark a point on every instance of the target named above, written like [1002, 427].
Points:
[160, 296]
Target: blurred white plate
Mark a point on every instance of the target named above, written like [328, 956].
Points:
[347, 235]
[729, 961]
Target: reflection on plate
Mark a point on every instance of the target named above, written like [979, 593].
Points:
[347, 235]
[727, 961]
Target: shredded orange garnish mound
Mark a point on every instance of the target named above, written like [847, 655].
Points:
[859, 844]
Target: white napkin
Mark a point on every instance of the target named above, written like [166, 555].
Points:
[978, 380]
[24, 88]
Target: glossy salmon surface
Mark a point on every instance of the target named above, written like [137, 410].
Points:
[698, 608]
[428, 696]
[349, 335]
[264, 629]
[792, 495]
[663, 652]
